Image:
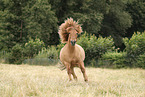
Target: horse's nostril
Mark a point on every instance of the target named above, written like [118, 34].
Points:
[73, 43]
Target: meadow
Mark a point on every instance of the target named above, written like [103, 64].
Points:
[50, 81]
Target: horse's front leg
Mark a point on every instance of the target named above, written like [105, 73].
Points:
[69, 71]
[82, 67]
[73, 73]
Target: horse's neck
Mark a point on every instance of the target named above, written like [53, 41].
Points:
[71, 48]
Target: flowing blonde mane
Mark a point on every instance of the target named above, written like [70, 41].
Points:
[68, 23]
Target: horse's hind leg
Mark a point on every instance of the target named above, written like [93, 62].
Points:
[73, 73]
[83, 71]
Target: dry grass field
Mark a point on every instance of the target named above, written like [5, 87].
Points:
[49, 81]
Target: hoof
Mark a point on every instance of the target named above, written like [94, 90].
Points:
[86, 80]
[76, 79]
[70, 80]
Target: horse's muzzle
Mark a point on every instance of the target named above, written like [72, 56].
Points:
[73, 43]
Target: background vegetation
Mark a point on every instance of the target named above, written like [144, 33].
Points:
[113, 30]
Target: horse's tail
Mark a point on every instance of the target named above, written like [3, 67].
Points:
[61, 66]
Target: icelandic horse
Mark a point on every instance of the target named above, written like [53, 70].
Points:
[71, 55]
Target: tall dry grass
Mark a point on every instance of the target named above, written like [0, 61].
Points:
[49, 81]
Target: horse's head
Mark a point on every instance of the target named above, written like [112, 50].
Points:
[72, 35]
[68, 31]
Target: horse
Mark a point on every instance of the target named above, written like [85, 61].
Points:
[71, 55]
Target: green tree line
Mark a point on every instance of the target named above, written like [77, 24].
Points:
[25, 20]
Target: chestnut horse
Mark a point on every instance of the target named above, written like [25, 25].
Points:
[71, 55]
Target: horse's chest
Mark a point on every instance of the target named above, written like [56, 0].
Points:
[71, 58]
[74, 62]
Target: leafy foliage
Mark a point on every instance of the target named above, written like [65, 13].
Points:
[47, 57]
[140, 61]
[135, 47]
[50, 53]
[41, 22]
[16, 56]
[21, 20]
[95, 47]
[116, 21]
[113, 60]
[33, 47]
[136, 10]
[79, 11]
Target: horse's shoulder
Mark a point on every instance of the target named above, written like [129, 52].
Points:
[63, 48]
[81, 51]
[79, 47]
